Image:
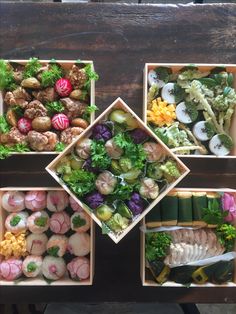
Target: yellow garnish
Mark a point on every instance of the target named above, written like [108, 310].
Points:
[161, 113]
[13, 245]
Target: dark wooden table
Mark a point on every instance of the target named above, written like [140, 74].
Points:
[120, 39]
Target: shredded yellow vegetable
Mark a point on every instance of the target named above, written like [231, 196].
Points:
[160, 113]
[13, 245]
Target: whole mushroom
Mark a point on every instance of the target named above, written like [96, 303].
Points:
[113, 150]
[106, 182]
[154, 151]
[149, 188]
[69, 134]
[35, 109]
[83, 148]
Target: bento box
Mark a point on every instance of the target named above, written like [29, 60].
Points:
[44, 104]
[117, 170]
[189, 240]
[191, 107]
[45, 238]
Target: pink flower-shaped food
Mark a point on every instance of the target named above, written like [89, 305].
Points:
[35, 200]
[60, 222]
[13, 201]
[229, 205]
[79, 268]
[11, 269]
[74, 205]
[57, 201]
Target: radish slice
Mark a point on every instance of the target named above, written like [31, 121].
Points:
[182, 113]
[217, 147]
[200, 131]
[153, 79]
[167, 93]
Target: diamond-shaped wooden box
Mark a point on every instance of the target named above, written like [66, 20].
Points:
[117, 104]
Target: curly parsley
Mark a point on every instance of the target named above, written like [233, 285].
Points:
[50, 76]
[81, 182]
[99, 156]
[157, 244]
[31, 68]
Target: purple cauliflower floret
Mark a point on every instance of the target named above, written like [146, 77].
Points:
[101, 132]
[94, 199]
[88, 166]
[138, 136]
[136, 204]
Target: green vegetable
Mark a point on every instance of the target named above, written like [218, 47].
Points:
[122, 191]
[104, 212]
[152, 93]
[64, 166]
[179, 93]
[117, 223]
[163, 73]
[88, 110]
[18, 111]
[76, 163]
[41, 221]
[226, 140]
[170, 170]
[115, 167]
[78, 222]
[31, 68]
[15, 220]
[53, 251]
[191, 110]
[209, 129]
[208, 82]
[7, 81]
[124, 210]
[54, 107]
[50, 76]
[190, 74]
[223, 101]
[213, 215]
[131, 175]
[157, 245]
[6, 151]
[91, 75]
[154, 171]
[226, 234]
[99, 156]
[60, 147]
[81, 182]
[125, 164]
[4, 125]
[31, 267]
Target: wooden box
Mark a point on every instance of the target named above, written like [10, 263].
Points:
[65, 281]
[66, 64]
[117, 104]
[176, 67]
[145, 273]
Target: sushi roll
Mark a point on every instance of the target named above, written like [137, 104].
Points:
[38, 222]
[79, 268]
[203, 131]
[16, 222]
[153, 218]
[11, 269]
[169, 209]
[57, 201]
[53, 268]
[36, 244]
[199, 202]
[13, 201]
[79, 244]
[186, 114]
[57, 245]
[167, 93]
[60, 222]
[80, 222]
[185, 216]
[153, 79]
[32, 266]
[221, 145]
[35, 200]
[74, 205]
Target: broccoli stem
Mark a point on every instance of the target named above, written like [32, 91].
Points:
[193, 147]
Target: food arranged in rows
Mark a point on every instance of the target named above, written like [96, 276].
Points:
[192, 110]
[46, 236]
[186, 254]
[45, 104]
[117, 170]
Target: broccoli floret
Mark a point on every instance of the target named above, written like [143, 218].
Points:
[170, 170]
[185, 77]
[222, 102]
[117, 223]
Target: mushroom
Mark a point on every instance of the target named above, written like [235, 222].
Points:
[77, 77]
[18, 97]
[154, 151]
[42, 141]
[14, 136]
[69, 134]
[149, 188]
[113, 150]
[83, 148]
[35, 109]
[106, 182]
[46, 95]
[73, 108]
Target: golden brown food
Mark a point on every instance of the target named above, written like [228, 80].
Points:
[35, 109]
[41, 124]
[80, 123]
[70, 134]
[31, 82]
[77, 77]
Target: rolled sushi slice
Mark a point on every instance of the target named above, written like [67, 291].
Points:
[79, 268]
[221, 145]
[57, 245]
[203, 131]
[169, 209]
[80, 222]
[32, 266]
[79, 244]
[53, 268]
[185, 217]
[186, 114]
[38, 222]
[153, 218]
[16, 222]
[167, 93]
[60, 222]
[13, 201]
[36, 244]
[153, 79]
[199, 202]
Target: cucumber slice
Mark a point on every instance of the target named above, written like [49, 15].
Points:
[201, 131]
[218, 143]
[167, 93]
[153, 79]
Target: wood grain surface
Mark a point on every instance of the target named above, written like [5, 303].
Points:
[119, 39]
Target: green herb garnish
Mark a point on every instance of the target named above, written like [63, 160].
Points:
[54, 107]
[157, 244]
[213, 214]
[179, 93]
[91, 75]
[4, 125]
[41, 221]
[81, 181]
[191, 110]
[50, 76]
[226, 234]
[15, 220]
[78, 222]
[163, 73]
[209, 128]
[31, 68]
[122, 191]
[53, 251]
[226, 140]
[31, 267]
[99, 156]
[18, 111]
[88, 110]
[6, 151]
[60, 147]
[7, 81]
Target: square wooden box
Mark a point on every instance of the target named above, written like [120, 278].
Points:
[66, 64]
[117, 104]
[146, 276]
[65, 281]
[175, 67]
